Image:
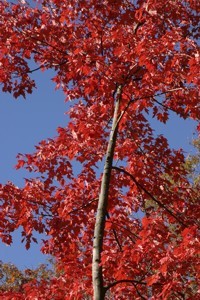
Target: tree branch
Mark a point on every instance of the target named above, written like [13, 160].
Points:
[115, 235]
[149, 96]
[138, 292]
[124, 281]
[83, 206]
[126, 229]
[165, 106]
[150, 195]
[156, 95]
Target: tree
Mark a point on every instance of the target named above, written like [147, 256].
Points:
[13, 279]
[119, 63]
[193, 163]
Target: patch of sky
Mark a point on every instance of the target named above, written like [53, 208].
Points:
[178, 131]
[23, 124]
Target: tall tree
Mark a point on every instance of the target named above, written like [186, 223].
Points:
[119, 63]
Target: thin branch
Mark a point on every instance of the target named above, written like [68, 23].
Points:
[45, 43]
[122, 113]
[126, 229]
[115, 235]
[165, 106]
[39, 203]
[182, 295]
[44, 66]
[150, 195]
[152, 95]
[21, 31]
[83, 206]
[156, 95]
[123, 281]
[138, 292]
[117, 240]
[137, 26]
[33, 70]
[101, 43]
[146, 97]
[45, 215]
[168, 91]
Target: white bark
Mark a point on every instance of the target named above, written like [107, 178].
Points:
[97, 275]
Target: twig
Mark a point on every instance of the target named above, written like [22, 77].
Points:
[83, 206]
[165, 106]
[138, 292]
[156, 95]
[126, 229]
[115, 235]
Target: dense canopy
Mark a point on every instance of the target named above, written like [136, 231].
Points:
[120, 63]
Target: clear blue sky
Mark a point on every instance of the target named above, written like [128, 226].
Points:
[24, 123]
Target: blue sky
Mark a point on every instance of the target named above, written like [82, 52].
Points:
[24, 123]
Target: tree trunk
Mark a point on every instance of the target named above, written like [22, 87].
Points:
[97, 275]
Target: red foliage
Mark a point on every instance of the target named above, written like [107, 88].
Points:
[150, 48]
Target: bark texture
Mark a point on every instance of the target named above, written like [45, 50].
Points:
[97, 275]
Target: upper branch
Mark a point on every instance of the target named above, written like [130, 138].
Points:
[150, 195]
[124, 281]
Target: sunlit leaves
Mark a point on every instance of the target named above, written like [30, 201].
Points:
[149, 48]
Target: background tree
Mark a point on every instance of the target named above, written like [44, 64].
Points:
[13, 280]
[120, 63]
[193, 163]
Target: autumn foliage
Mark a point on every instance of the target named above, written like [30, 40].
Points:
[139, 60]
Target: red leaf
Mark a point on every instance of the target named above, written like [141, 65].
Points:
[152, 279]
[20, 164]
